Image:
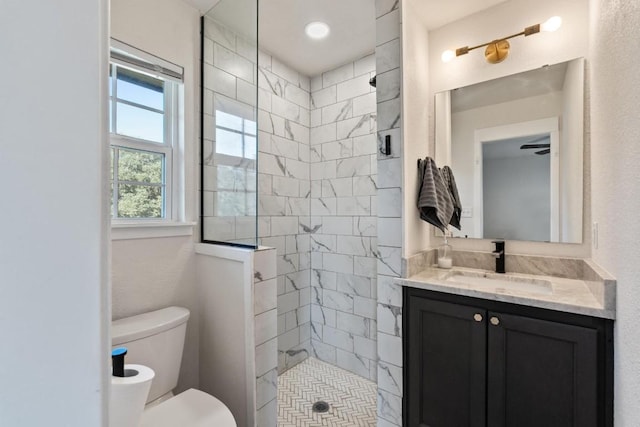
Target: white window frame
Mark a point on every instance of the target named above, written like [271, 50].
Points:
[173, 222]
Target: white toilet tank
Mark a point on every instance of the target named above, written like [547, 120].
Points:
[156, 340]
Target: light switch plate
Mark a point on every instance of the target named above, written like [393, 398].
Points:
[467, 212]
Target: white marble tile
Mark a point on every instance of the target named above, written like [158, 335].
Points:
[217, 32]
[282, 324]
[365, 65]
[266, 326]
[270, 83]
[342, 225]
[337, 300]
[365, 104]
[246, 92]
[353, 88]
[323, 170]
[267, 416]
[389, 319]
[354, 325]
[284, 225]
[208, 50]
[297, 169]
[337, 75]
[389, 175]
[272, 165]
[323, 243]
[305, 331]
[266, 388]
[285, 72]
[316, 117]
[385, 6]
[354, 285]
[288, 302]
[390, 349]
[389, 85]
[360, 205]
[388, 56]
[266, 357]
[283, 108]
[219, 81]
[353, 363]
[365, 266]
[389, 260]
[284, 147]
[316, 331]
[389, 202]
[272, 205]
[338, 187]
[324, 133]
[365, 347]
[335, 112]
[354, 245]
[390, 378]
[365, 226]
[337, 338]
[353, 166]
[324, 206]
[297, 280]
[296, 131]
[337, 150]
[324, 315]
[265, 296]
[364, 186]
[323, 351]
[388, 27]
[233, 63]
[356, 126]
[323, 279]
[390, 232]
[388, 114]
[297, 96]
[283, 186]
[305, 295]
[323, 97]
[287, 263]
[289, 339]
[389, 407]
[365, 307]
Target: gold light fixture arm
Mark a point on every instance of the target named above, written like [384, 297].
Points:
[498, 49]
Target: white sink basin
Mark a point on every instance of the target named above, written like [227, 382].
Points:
[500, 282]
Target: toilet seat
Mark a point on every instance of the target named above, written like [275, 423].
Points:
[192, 408]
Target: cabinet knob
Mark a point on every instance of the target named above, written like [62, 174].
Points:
[494, 321]
[477, 317]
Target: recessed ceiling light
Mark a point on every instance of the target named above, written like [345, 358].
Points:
[317, 30]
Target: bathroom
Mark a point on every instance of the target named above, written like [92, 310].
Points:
[95, 273]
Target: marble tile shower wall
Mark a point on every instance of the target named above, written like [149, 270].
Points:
[283, 171]
[284, 199]
[343, 215]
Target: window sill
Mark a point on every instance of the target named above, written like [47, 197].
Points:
[150, 230]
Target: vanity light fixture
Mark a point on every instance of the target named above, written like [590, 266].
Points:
[317, 30]
[497, 50]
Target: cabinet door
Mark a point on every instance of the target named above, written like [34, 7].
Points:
[446, 364]
[540, 373]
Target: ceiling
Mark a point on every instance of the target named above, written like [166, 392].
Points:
[352, 22]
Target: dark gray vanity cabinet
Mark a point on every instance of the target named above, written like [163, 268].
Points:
[480, 363]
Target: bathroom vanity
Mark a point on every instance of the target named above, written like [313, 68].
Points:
[489, 350]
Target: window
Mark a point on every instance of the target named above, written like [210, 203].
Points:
[143, 101]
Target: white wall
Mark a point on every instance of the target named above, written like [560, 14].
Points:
[148, 274]
[54, 292]
[416, 103]
[569, 42]
[615, 131]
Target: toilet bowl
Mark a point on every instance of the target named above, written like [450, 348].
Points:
[156, 340]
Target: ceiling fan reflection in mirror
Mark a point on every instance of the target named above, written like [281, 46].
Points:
[532, 145]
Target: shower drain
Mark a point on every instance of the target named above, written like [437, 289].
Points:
[320, 407]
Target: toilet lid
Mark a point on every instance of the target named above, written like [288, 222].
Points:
[192, 408]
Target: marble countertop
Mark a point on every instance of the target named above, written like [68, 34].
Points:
[550, 292]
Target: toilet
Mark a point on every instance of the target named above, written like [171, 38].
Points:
[156, 340]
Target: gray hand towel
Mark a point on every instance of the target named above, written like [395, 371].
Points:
[450, 182]
[434, 202]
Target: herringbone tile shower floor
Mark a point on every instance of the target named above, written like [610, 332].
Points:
[351, 398]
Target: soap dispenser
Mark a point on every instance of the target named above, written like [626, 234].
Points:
[445, 251]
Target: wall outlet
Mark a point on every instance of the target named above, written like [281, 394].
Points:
[594, 235]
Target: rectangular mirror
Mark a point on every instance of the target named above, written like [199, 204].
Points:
[515, 145]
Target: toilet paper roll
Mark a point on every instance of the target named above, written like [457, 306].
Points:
[129, 395]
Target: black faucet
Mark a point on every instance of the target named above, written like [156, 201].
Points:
[498, 254]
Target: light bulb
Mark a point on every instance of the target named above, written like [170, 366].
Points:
[317, 30]
[448, 55]
[551, 24]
